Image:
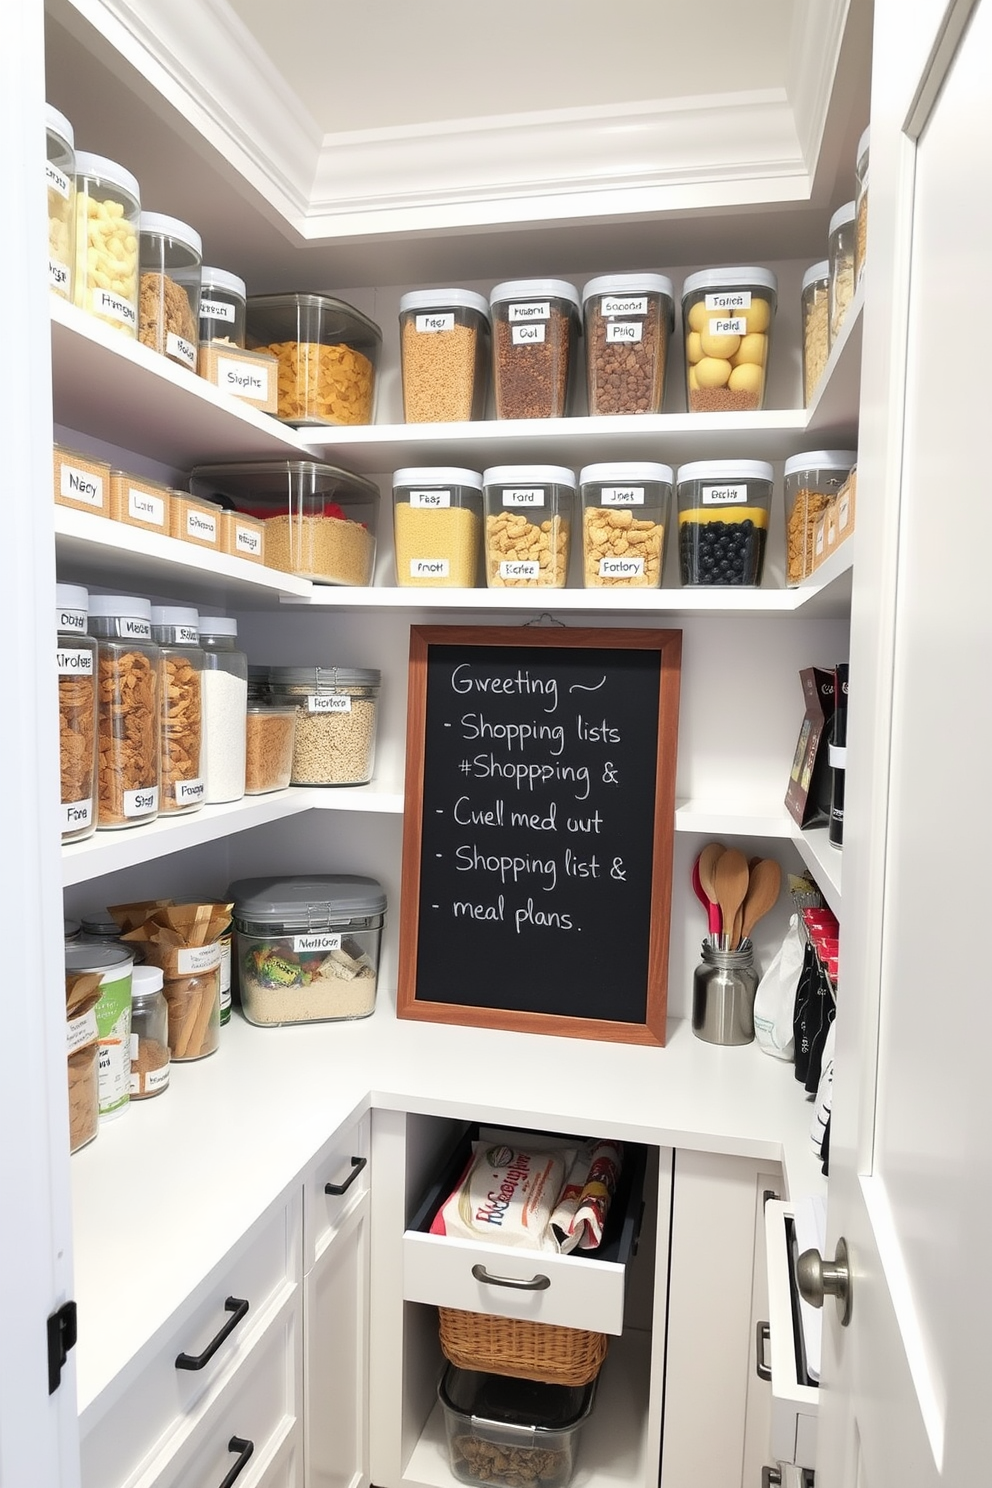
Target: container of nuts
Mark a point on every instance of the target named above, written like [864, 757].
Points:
[327, 351]
[170, 255]
[506, 1433]
[628, 321]
[535, 340]
[624, 519]
[337, 710]
[528, 525]
[105, 275]
[444, 355]
[724, 508]
[727, 318]
[811, 481]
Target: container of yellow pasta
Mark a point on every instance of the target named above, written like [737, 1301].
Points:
[327, 352]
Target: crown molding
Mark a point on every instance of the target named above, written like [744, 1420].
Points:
[816, 46]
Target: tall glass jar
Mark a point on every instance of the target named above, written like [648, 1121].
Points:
[76, 661]
[723, 989]
[225, 702]
[861, 208]
[105, 277]
[169, 290]
[149, 1033]
[128, 686]
[60, 177]
[816, 326]
[337, 710]
[176, 629]
[841, 252]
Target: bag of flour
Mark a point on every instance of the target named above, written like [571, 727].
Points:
[506, 1195]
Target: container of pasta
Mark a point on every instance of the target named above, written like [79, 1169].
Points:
[437, 526]
[105, 270]
[327, 351]
[624, 520]
[528, 525]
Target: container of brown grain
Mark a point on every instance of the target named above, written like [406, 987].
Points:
[727, 317]
[194, 521]
[80, 481]
[444, 355]
[269, 734]
[139, 503]
[535, 344]
[337, 711]
[170, 255]
[628, 321]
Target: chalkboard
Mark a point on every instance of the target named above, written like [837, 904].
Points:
[537, 841]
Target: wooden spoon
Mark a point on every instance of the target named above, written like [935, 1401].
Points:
[707, 862]
[730, 879]
[762, 894]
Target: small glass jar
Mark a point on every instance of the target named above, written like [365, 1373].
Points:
[811, 482]
[861, 208]
[528, 525]
[224, 686]
[535, 343]
[724, 508]
[149, 1033]
[624, 520]
[270, 733]
[628, 321]
[176, 630]
[337, 710]
[437, 527]
[841, 255]
[727, 318]
[99, 928]
[723, 989]
[105, 274]
[169, 290]
[113, 965]
[223, 298]
[444, 355]
[128, 694]
[60, 177]
[77, 669]
[816, 326]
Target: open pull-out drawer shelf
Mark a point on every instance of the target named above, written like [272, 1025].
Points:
[795, 1397]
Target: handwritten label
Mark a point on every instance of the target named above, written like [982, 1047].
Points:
[58, 274]
[723, 495]
[523, 496]
[622, 496]
[74, 663]
[313, 944]
[631, 331]
[141, 802]
[429, 500]
[133, 628]
[194, 960]
[623, 305]
[337, 702]
[57, 180]
[519, 568]
[729, 299]
[143, 507]
[247, 540]
[216, 310]
[201, 526]
[728, 326]
[74, 620]
[189, 792]
[429, 568]
[435, 321]
[534, 310]
[180, 349]
[82, 485]
[527, 335]
[621, 568]
[112, 306]
[76, 815]
[242, 380]
[81, 1031]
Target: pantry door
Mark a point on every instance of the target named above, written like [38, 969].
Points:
[905, 1400]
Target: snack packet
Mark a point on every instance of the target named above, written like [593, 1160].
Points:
[580, 1214]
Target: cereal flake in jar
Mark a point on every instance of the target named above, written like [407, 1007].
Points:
[816, 326]
[727, 318]
[327, 351]
[176, 631]
[337, 712]
[108, 209]
[528, 525]
[628, 321]
[841, 254]
[76, 659]
[60, 179]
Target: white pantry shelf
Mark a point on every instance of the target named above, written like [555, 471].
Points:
[822, 860]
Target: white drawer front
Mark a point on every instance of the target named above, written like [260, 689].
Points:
[343, 1163]
[794, 1405]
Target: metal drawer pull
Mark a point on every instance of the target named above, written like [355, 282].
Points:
[764, 1337]
[357, 1164]
[245, 1448]
[239, 1307]
[771, 1477]
[537, 1283]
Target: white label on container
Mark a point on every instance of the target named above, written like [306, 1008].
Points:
[74, 663]
[247, 540]
[321, 942]
[724, 495]
[189, 792]
[621, 568]
[430, 499]
[141, 802]
[629, 331]
[192, 960]
[58, 274]
[81, 485]
[76, 815]
[728, 326]
[338, 702]
[202, 526]
[837, 756]
[523, 496]
[72, 620]
[111, 305]
[519, 569]
[623, 305]
[242, 380]
[180, 348]
[729, 299]
[435, 321]
[531, 310]
[57, 180]
[135, 1043]
[527, 335]
[134, 629]
[145, 508]
[81, 1031]
[215, 310]
[622, 496]
[843, 511]
[155, 1079]
[187, 635]
[429, 568]
[818, 544]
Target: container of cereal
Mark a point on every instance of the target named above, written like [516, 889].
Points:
[444, 355]
[77, 668]
[110, 969]
[437, 526]
[60, 178]
[816, 326]
[861, 208]
[270, 732]
[628, 321]
[727, 318]
[128, 670]
[223, 300]
[528, 525]
[811, 481]
[170, 254]
[503, 1432]
[624, 520]
[327, 351]
[337, 710]
[105, 274]
[840, 241]
[724, 507]
[139, 503]
[176, 632]
[307, 948]
[535, 342]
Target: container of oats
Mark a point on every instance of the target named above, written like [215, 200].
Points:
[528, 524]
[337, 711]
[628, 321]
[812, 480]
[105, 271]
[437, 526]
[60, 179]
[327, 351]
[307, 948]
[536, 325]
[727, 319]
[170, 254]
[444, 355]
[76, 660]
[625, 508]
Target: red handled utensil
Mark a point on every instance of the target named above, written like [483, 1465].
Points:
[714, 919]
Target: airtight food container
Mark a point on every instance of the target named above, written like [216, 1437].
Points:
[812, 480]
[437, 526]
[840, 239]
[320, 521]
[327, 351]
[628, 321]
[169, 288]
[105, 274]
[535, 347]
[337, 713]
[528, 525]
[223, 298]
[727, 318]
[444, 355]
[503, 1432]
[307, 947]
[724, 508]
[624, 520]
[861, 207]
[270, 732]
[76, 662]
[816, 326]
[60, 179]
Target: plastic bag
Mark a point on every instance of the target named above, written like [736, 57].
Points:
[774, 1001]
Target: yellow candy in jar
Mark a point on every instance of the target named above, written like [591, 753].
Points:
[693, 380]
[758, 315]
[713, 372]
[699, 317]
[723, 347]
[753, 348]
[748, 377]
[693, 347]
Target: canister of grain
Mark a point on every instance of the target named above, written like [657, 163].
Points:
[528, 525]
[149, 1033]
[811, 481]
[437, 526]
[337, 710]
[535, 340]
[625, 508]
[724, 509]
[816, 326]
[224, 685]
[270, 733]
[222, 308]
[105, 273]
[60, 178]
[128, 683]
[861, 208]
[727, 318]
[840, 241]
[628, 321]
[307, 948]
[170, 254]
[113, 965]
[77, 668]
[176, 631]
[444, 355]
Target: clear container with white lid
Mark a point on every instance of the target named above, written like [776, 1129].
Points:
[327, 350]
[625, 506]
[150, 1055]
[108, 210]
[337, 714]
[727, 319]
[223, 297]
[176, 631]
[169, 291]
[224, 683]
[811, 480]
[628, 321]
[129, 664]
[76, 654]
[840, 251]
[536, 324]
[724, 509]
[444, 355]
[60, 178]
[861, 207]
[528, 525]
[816, 326]
[437, 526]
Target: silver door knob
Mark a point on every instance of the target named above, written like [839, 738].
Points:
[817, 1278]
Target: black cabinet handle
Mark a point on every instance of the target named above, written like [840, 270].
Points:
[239, 1307]
[337, 1189]
[764, 1334]
[244, 1448]
[537, 1283]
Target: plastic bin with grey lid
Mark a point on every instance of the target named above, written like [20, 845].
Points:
[503, 1431]
[307, 947]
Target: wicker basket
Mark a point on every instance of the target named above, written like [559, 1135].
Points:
[525, 1350]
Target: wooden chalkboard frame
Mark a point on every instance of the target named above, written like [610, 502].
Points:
[668, 643]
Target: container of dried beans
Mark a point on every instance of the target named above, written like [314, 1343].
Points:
[505, 1433]
[727, 318]
[811, 482]
[77, 668]
[327, 351]
[128, 681]
[628, 321]
[535, 340]
[337, 711]
[170, 255]
[176, 631]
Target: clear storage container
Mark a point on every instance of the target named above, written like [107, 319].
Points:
[224, 682]
[129, 671]
[307, 948]
[528, 525]
[223, 301]
[505, 1433]
[110, 967]
[60, 178]
[625, 509]
[337, 711]
[320, 521]
[724, 507]
[444, 355]
[328, 353]
[150, 1055]
[105, 273]
[861, 208]
[170, 254]
[841, 255]
[270, 733]
[812, 480]
[437, 526]
[816, 326]
[535, 343]
[628, 321]
[76, 659]
[727, 318]
[176, 632]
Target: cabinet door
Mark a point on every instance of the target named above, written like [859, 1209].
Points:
[336, 1326]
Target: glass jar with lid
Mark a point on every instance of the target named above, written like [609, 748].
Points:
[816, 326]
[841, 254]
[535, 343]
[98, 927]
[528, 525]
[176, 629]
[128, 668]
[727, 319]
[444, 355]
[437, 526]
[169, 290]
[149, 1033]
[811, 480]
[337, 711]
[77, 669]
[624, 520]
[224, 687]
[60, 177]
[105, 273]
[861, 207]
[724, 508]
[223, 297]
[628, 321]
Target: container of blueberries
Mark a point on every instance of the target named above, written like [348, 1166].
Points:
[724, 507]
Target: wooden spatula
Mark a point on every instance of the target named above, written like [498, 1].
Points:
[730, 879]
[762, 894]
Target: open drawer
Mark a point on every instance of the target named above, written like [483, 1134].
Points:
[582, 1290]
[782, 1345]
